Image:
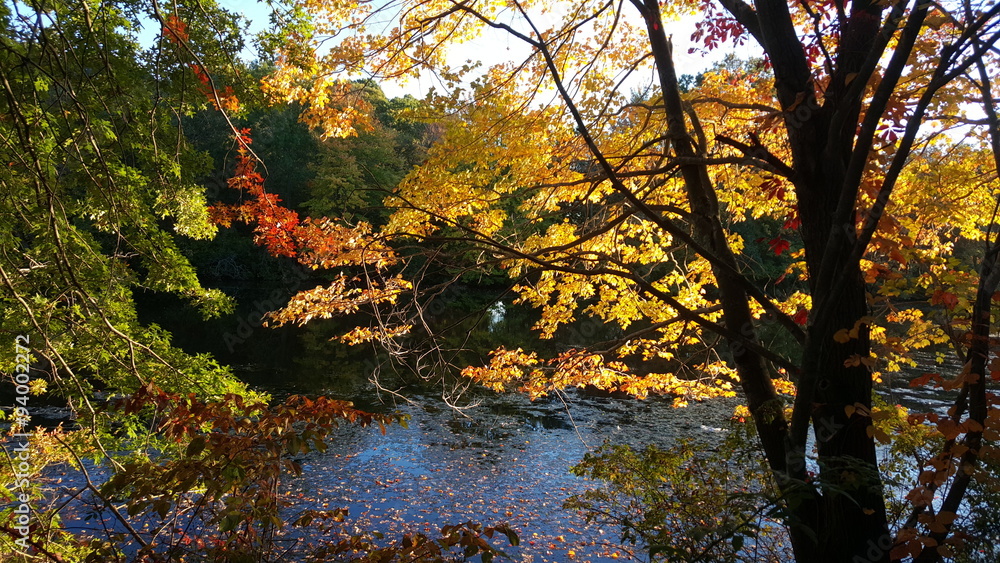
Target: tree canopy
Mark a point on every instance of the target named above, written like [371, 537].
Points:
[789, 229]
[98, 184]
[866, 135]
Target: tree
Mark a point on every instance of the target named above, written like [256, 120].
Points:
[628, 209]
[97, 186]
[99, 183]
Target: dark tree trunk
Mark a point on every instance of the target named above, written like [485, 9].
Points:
[852, 519]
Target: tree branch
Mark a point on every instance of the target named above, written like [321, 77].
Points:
[757, 151]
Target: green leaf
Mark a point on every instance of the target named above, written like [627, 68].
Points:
[230, 522]
[162, 507]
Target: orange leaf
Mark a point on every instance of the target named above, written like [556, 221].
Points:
[842, 336]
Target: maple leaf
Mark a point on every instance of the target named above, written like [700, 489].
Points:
[174, 29]
[792, 223]
[946, 298]
[779, 245]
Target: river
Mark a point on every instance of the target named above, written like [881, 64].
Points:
[506, 460]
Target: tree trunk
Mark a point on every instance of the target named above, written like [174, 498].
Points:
[852, 523]
[835, 385]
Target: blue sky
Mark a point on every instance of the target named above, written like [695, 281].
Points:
[497, 46]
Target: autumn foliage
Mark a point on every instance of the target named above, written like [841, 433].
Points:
[796, 229]
[172, 457]
[840, 143]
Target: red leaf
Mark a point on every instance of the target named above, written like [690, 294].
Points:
[946, 298]
[773, 188]
[779, 245]
[801, 317]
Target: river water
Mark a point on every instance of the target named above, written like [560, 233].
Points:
[506, 460]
